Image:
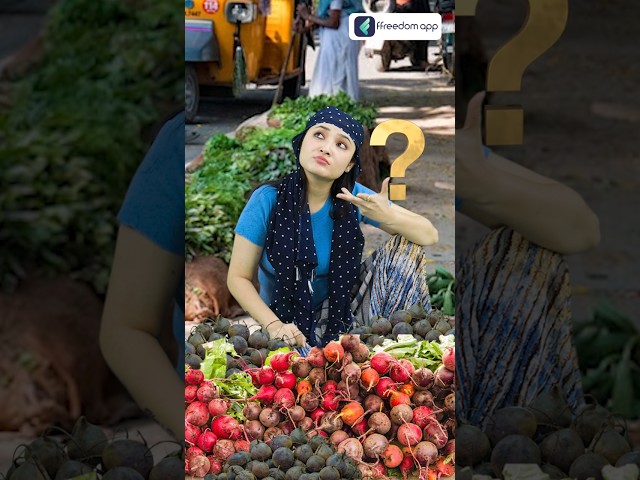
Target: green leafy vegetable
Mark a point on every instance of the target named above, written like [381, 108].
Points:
[215, 361]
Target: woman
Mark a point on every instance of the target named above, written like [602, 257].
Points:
[147, 283]
[336, 68]
[303, 237]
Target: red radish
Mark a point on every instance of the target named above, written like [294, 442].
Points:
[190, 393]
[303, 387]
[193, 452]
[223, 449]
[338, 437]
[197, 414]
[218, 406]
[224, 425]
[193, 376]
[352, 448]
[281, 362]
[407, 466]
[449, 358]
[392, 456]
[360, 428]
[285, 380]
[266, 375]
[316, 415]
[333, 352]
[216, 465]
[422, 416]
[351, 413]
[269, 417]
[252, 411]
[254, 429]
[284, 399]
[330, 386]
[369, 378]
[409, 434]
[381, 362]
[207, 391]
[373, 403]
[241, 445]
[349, 342]
[401, 371]
[423, 379]
[425, 453]
[206, 441]
[199, 466]
[265, 394]
[384, 387]
[399, 398]
[316, 357]
[309, 401]
[191, 433]
[444, 376]
[435, 434]
[331, 401]
[301, 367]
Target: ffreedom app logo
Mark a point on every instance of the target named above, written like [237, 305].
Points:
[365, 27]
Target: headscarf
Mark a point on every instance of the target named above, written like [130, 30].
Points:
[291, 249]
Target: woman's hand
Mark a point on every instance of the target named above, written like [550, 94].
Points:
[373, 206]
[287, 332]
[472, 170]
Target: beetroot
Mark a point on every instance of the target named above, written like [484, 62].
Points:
[409, 434]
[349, 342]
[254, 430]
[373, 403]
[379, 422]
[301, 367]
[381, 362]
[351, 373]
[297, 413]
[241, 445]
[449, 358]
[338, 437]
[252, 411]
[401, 414]
[197, 414]
[193, 376]
[190, 393]
[425, 453]
[199, 466]
[435, 434]
[450, 403]
[265, 394]
[360, 354]
[421, 416]
[333, 352]
[307, 423]
[223, 449]
[266, 375]
[401, 371]
[316, 357]
[369, 378]
[309, 401]
[269, 417]
[331, 401]
[407, 466]
[191, 433]
[374, 445]
[218, 406]
[423, 379]
[360, 428]
[193, 452]
[330, 422]
[270, 433]
[423, 398]
[316, 414]
[352, 448]
[284, 399]
[317, 376]
[392, 456]
[207, 441]
[444, 377]
[384, 387]
[285, 380]
[329, 386]
[224, 426]
[216, 465]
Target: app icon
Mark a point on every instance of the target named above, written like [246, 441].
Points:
[364, 26]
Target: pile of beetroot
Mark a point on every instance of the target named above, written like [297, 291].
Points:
[381, 412]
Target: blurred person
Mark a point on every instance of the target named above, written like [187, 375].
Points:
[301, 235]
[146, 286]
[336, 67]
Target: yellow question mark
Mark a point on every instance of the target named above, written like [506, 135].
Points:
[546, 20]
[415, 147]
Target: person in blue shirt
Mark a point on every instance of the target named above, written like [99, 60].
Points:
[146, 287]
[302, 237]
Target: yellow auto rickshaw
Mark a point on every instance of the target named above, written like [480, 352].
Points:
[229, 43]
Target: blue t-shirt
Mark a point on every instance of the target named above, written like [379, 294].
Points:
[253, 224]
[154, 206]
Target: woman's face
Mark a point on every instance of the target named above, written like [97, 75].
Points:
[327, 152]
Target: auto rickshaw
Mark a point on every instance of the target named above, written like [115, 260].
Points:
[229, 43]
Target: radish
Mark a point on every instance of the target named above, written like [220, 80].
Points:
[392, 456]
[191, 433]
[266, 375]
[207, 391]
[193, 376]
[449, 358]
[316, 357]
[409, 434]
[285, 380]
[193, 452]
[384, 387]
[218, 406]
[265, 394]
[224, 425]
[281, 362]
[197, 414]
[381, 362]
[425, 453]
[333, 352]
[284, 399]
[223, 449]
[206, 441]
[401, 371]
[190, 393]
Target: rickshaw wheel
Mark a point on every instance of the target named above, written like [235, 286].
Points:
[191, 93]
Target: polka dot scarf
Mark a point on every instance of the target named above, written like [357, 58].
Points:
[291, 250]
